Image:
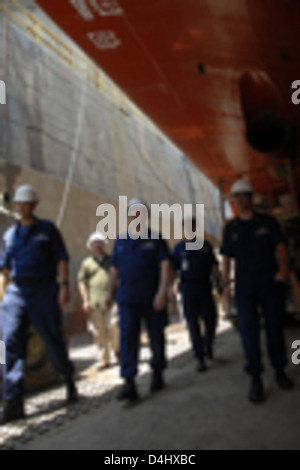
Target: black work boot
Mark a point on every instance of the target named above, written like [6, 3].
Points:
[157, 382]
[257, 392]
[13, 411]
[283, 380]
[202, 367]
[72, 394]
[128, 391]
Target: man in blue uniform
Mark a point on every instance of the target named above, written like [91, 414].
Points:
[33, 252]
[256, 243]
[141, 272]
[196, 270]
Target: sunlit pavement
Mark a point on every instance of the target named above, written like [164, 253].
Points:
[46, 411]
[208, 411]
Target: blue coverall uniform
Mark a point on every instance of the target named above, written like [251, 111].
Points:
[296, 266]
[32, 254]
[195, 268]
[252, 244]
[139, 262]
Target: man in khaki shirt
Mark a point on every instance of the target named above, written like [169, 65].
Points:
[93, 286]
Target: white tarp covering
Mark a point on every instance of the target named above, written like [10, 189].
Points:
[114, 154]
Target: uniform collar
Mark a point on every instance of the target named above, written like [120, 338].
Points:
[31, 228]
[255, 217]
[36, 223]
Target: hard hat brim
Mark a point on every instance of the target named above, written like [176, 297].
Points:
[90, 243]
[237, 193]
[31, 201]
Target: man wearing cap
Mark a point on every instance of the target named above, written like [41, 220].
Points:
[33, 254]
[93, 287]
[197, 269]
[256, 243]
[140, 273]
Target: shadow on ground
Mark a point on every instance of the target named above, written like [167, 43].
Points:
[195, 411]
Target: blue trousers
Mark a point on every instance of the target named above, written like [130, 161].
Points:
[21, 308]
[198, 303]
[269, 296]
[131, 316]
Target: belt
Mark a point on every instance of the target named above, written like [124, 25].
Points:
[32, 282]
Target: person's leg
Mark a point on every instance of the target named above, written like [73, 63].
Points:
[114, 331]
[93, 328]
[250, 333]
[192, 306]
[99, 328]
[130, 324]
[15, 330]
[46, 316]
[249, 325]
[130, 321]
[209, 314]
[272, 299]
[107, 338]
[215, 315]
[156, 323]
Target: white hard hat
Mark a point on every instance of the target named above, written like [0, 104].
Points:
[94, 238]
[136, 202]
[26, 193]
[242, 187]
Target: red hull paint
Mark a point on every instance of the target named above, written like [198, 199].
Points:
[159, 45]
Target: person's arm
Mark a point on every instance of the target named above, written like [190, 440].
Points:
[160, 300]
[112, 286]
[174, 276]
[83, 287]
[4, 281]
[176, 286]
[227, 253]
[164, 260]
[61, 256]
[84, 294]
[217, 277]
[172, 280]
[215, 270]
[280, 248]
[64, 292]
[5, 262]
[283, 274]
[226, 270]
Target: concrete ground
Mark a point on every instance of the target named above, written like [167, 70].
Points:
[194, 412]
